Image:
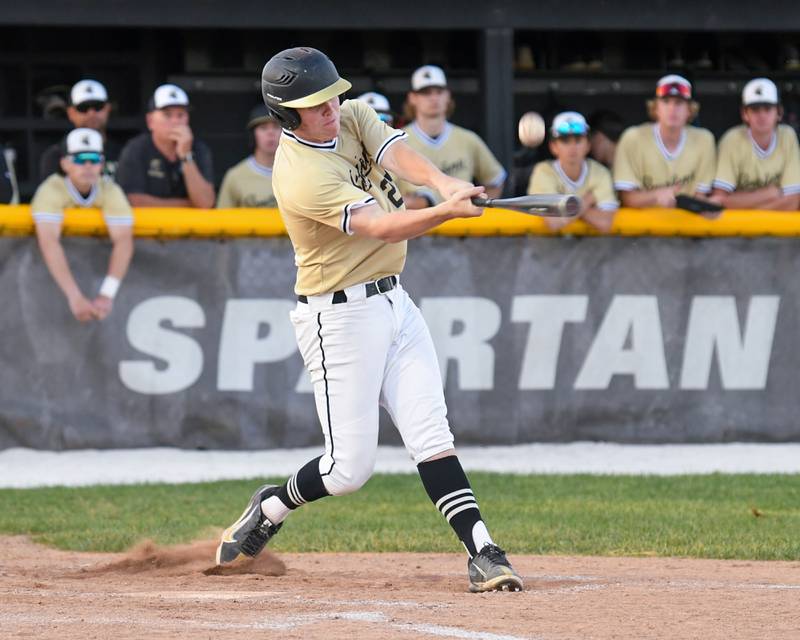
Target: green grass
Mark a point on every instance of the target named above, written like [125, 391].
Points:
[696, 516]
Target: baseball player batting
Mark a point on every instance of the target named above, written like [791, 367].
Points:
[362, 338]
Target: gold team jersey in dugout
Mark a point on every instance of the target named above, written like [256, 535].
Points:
[457, 152]
[744, 166]
[57, 193]
[643, 162]
[549, 177]
[247, 184]
[319, 185]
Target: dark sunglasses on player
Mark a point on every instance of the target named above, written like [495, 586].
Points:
[90, 105]
[570, 128]
[87, 157]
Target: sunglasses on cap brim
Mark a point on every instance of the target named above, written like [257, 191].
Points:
[90, 105]
[570, 129]
[87, 157]
[674, 89]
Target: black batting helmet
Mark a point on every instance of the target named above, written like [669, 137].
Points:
[297, 78]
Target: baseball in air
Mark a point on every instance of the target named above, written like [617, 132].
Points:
[531, 129]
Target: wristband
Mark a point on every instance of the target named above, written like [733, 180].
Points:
[110, 287]
[189, 157]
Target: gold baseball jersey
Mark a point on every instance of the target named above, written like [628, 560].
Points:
[643, 162]
[457, 152]
[744, 166]
[319, 185]
[549, 177]
[247, 184]
[57, 193]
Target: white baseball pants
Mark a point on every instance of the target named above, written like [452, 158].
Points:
[361, 354]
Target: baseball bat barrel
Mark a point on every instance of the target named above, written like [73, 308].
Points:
[548, 205]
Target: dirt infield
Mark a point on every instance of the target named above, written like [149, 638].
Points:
[168, 593]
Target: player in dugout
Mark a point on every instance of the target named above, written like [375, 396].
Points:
[83, 186]
[759, 161]
[572, 172]
[89, 107]
[455, 151]
[656, 161]
[249, 183]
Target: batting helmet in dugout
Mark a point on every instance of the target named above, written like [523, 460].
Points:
[297, 78]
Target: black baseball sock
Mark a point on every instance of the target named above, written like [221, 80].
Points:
[304, 486]
[448, 489]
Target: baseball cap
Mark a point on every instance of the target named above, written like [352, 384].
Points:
[83, 141]
[379, 103]
[87, 91]
[760, 91]
[674, 85]
[428, 76]
[569, 123]
[259, 115]
[168, 95]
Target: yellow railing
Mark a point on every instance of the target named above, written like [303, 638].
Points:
[183, 223]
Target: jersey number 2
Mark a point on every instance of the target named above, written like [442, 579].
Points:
[391, 191]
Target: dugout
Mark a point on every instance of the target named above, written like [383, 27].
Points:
[503, 58]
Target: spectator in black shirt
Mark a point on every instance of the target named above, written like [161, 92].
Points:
[167, 167]
[88, 108]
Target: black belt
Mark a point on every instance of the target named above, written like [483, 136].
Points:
[384, 285]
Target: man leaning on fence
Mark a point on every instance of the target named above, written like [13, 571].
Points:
[83, 186]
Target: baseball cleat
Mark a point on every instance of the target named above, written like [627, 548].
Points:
[251, 532]
[489, 570]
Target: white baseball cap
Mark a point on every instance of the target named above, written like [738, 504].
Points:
[428, 76]
[375, 100]
[379, 103]
[760, 91]
[84, 141]
[569, 123]
[87, 91]
[168, 95]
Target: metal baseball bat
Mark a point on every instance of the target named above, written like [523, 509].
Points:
[548, 205]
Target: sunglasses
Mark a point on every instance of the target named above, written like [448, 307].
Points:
[87, 157]
[90, 105]
[570, 128]
[674, 89]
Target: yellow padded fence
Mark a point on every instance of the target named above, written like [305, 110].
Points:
[205, 223]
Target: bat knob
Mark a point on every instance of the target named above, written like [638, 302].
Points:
[481, 202]
[571, 206]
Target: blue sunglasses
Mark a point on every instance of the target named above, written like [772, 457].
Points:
[87, 157]
[570, 129]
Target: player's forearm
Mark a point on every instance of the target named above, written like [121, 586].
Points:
[756, 199]
[57, 265]
[402, 160]
[639, 198]
[397, 226]
[599, 219]
[201, 192]
[783, 203]
[121, 254]
[146, 200]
